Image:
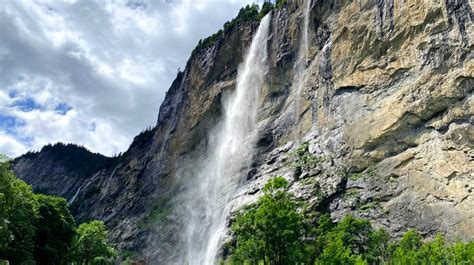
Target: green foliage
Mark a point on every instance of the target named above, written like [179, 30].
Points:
[355, 176]
[271, 229]
[369, 172]
[55, 230]
[280, 3]
[412, 250]
[353, 241]
[91, 245]
[4, 158]
[274, 231]
[249, 13]
[39, 229]
[18, 211]
[362, 208]
[267, 7]
[461, 253]
[74, 157]
[303, 159]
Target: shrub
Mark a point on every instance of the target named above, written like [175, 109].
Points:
[271, 229]
[39, 229]
[91, 245]
[275, 231]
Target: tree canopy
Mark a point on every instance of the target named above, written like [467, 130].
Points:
[91, 245]
[18, 212]
[55, 230]
[277, 230]
[39, 229]
[271, 229]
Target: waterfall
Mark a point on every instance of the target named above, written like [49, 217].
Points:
[230, 151]
[302, 62]
[303, 50]
[85, 185]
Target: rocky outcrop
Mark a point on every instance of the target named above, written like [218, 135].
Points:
[386, 109]
[60, 169]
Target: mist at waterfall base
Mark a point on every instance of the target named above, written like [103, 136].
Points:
[230, 148]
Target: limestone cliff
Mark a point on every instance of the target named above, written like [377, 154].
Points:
[386, 105]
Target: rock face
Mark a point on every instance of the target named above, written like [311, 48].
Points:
[386, 109]
[60, 169]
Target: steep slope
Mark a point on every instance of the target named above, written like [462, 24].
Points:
[383, 100]
[60, 169]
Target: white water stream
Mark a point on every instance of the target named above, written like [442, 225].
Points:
[230, 151]
[301, 63]
[85, 185]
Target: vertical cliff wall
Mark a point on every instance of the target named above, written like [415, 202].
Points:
[385, 104]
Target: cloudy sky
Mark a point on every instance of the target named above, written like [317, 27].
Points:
[93, 73]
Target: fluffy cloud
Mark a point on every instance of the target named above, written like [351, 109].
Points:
[93, 73]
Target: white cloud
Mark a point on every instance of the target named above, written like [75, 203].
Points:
[111, 62]
[11, 146]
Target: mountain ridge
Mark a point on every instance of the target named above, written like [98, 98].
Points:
[387, 91]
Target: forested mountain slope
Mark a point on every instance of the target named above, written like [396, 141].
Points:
[365, 107]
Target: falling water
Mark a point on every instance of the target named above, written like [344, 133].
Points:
[230, 150]
[85, 185]
[302, 61]
[303, 50]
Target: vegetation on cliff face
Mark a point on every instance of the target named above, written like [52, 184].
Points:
[276, 230]
[249, 13]
[39, 229]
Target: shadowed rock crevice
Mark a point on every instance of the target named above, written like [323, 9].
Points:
[384, 115]
[460, 10]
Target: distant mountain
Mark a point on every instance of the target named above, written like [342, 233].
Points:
[60, 169]
[365, 107]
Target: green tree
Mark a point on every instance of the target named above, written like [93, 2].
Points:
[353, 241]
[412, 250]
[280, 3]
[271, 230]
[406, 250]
[91, 245]
[267, 7]
[55, 230]
[18, 212]
[316, 236]
[346, 243]
[378, 251]
[6, 196]
[461, 253]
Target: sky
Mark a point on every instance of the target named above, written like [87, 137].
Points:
[94, 73]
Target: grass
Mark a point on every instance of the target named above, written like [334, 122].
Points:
[367, 206]
[369, 172]
[350, 193]
[304, 159]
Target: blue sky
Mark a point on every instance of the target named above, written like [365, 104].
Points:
[94, 73]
